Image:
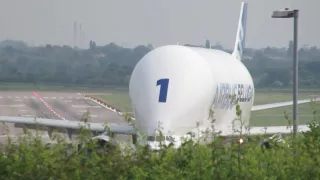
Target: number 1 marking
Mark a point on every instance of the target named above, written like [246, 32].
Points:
[163, 89]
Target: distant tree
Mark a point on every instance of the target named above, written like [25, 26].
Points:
[112, 64]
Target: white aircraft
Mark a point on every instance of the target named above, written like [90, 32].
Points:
[178, 86]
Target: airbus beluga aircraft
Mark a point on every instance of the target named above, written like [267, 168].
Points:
[176, 87]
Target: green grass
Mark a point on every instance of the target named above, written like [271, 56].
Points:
[269, 117]
[119, 99]
[276, 116]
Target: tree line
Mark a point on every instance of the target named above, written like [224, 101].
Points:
[112, 64]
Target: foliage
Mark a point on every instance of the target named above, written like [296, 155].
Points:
[32, 158]
[112, 64]
[99, 65]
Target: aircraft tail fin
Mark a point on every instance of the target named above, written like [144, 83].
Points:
[241, 32]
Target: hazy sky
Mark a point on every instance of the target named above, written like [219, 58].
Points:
[159, 22]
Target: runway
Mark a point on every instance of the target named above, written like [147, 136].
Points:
[53, 105]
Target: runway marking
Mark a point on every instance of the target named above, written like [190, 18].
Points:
[15, 105]
[46, 97]
[27, 115]
[84, 106]
[93, 115]
[67, 101]
[45, 103]
[22, 110]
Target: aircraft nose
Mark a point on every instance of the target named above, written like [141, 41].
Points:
[170, 85]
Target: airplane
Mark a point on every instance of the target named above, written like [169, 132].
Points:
[179, 86]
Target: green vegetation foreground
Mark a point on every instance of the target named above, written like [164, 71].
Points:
[32, 159]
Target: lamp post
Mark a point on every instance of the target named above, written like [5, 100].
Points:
[286, 13]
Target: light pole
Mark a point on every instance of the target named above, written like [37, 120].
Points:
[286, 13]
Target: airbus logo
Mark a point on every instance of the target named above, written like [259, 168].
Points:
[228, 95]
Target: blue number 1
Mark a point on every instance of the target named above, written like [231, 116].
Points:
[163, 89]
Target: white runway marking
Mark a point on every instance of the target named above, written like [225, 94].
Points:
[17, 105]
[27, 115]
[67, 101]
[19, 100]
[22, 110]
[47, 97]
[93, 115]
[84, 106]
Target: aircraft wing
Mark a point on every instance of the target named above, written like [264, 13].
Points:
[280, 104]
[67, 124]
[276, 129]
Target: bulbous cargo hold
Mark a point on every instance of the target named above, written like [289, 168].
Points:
[170, 85]
[176, 86]
[233, 85]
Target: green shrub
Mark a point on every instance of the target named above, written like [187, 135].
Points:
[31, 158]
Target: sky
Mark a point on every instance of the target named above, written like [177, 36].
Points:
[158, 22]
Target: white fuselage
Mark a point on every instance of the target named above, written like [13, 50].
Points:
[174, 87]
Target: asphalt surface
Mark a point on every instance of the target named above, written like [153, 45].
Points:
[53, 105]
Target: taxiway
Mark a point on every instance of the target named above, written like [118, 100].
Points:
[53, 105]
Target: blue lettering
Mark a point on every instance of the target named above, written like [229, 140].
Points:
[163, 89]
[228, 95]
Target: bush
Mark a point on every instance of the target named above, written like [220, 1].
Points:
[31, 158]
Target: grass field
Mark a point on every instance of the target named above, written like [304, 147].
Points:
[269, 117]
